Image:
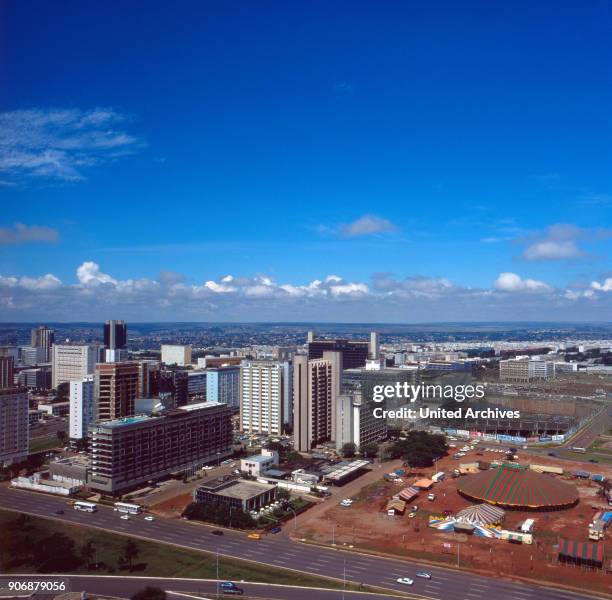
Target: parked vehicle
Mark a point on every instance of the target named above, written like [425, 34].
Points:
[275, 529]
[431, 496]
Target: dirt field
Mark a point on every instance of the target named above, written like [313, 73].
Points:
[366, 525]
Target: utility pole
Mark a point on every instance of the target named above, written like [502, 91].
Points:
[217, 551]
[333, 534]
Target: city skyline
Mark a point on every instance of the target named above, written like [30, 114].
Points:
[336, 164]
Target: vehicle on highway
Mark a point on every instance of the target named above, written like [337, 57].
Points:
[229, 587]
[551, 454]
[405, 580]
[423, 574]
[254, 536]
[85, 506]
[593, 460]
[124, 507]
[276, 529]
[125, 517]
[59, 512]
[216, 532]
[149, 518]
[208, 467]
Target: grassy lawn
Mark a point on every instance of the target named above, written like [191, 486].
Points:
[42, 444]
[154, 559]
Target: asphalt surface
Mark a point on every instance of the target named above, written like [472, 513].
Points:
[280, 551]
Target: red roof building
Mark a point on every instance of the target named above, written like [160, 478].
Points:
[581, 553]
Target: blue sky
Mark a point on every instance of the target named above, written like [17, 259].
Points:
[437, 160]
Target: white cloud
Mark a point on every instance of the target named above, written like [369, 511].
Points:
[24, 234]
[46, 282]
[220, 288]
[606, 286]
[89, 274]
[553, 250]
[59, 144]
[560, 242]
[511, 282]
[367, 225]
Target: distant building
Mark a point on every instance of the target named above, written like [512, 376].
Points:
[175, 381]
[238, 493]
[31, 355]
[82, 407]
[44, 338]
[354, 353]
[115, 335]
[261, 396]
[73, 362]
[14, 427]
[223, 385]
[115, 355]
[7, 372]
[316, 386]
[37, 378]
[374, 346]
[128, 453]
[176, 355]
[116, 388]
[205, 362]
[525, 369]
[54, 409]
[196, 384]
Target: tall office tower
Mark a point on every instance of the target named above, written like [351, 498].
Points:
[116, 389]
[196, 385]
[115, 335]
[316, 387]
[14, 428]
[261, 396]
[374, 346]
[32, 355]
[43, 337]
[10, 351]
[148, 373]
[354, 352]
[288, 393]
[175, 382]
[82, 407]
[172, 354]
[311, 337]
[223, 385]
[7, 372]
[73, 362]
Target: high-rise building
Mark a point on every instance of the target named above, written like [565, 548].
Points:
[116, 389]
[14, 428]
[223, 385]
[115, 355]
[354, 352]
[115, 335]
[374, 345]
[172, 354]
[33, 355]
[73, 362]
[128, 453]
[261, 396]
[316, 387]
[175, 382]
[82, 407]
[38, 378]
[43, 337]
[7, 371]
[148, 370]
[196, 384]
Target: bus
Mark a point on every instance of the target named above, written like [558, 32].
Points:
[577, 449]
[85, 506]
[123, 507]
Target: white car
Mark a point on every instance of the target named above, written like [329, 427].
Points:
[405, 580]
[124, 517]
[149, 518]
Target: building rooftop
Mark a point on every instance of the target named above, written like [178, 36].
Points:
[237, 488]
[259, 458]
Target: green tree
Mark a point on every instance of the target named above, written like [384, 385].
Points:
[369, 450]
[348, 450]
[419, 448]
[283, 494]
[88, 551]
[130, 552]
[63, 390]
[150, 593]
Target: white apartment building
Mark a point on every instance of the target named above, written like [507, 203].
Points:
[262, 396]
[524, 369]
[14, 426]
[82, 406]
[73, 362]
[176, 355]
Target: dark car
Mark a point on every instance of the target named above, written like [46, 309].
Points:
[59, 512]
[228, 587]
[217, 532]
[551, 454]
[593, 460]
[276, 529]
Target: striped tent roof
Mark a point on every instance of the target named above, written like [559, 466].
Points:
[481, 514]
[513, 486]
[581, 551]
[409, 493]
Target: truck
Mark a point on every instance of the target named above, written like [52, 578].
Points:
[527, 526]
[438, 477]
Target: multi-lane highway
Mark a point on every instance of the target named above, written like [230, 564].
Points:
[279, 551]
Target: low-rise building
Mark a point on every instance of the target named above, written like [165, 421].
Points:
[55, 409]
[237, 493]
[256, 465]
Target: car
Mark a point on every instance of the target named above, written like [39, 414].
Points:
[124, 517]
[415, 508]
[431, 497]
[254, 536]
[275, 529]
[149, 518]
[208, 467]
[216, 532]
[405, 580]
[229, 587]
[551, 454]
[423, 574]
[411, 515]
[59, 512]
[593, 460]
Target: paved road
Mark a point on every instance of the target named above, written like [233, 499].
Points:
[279, 551]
